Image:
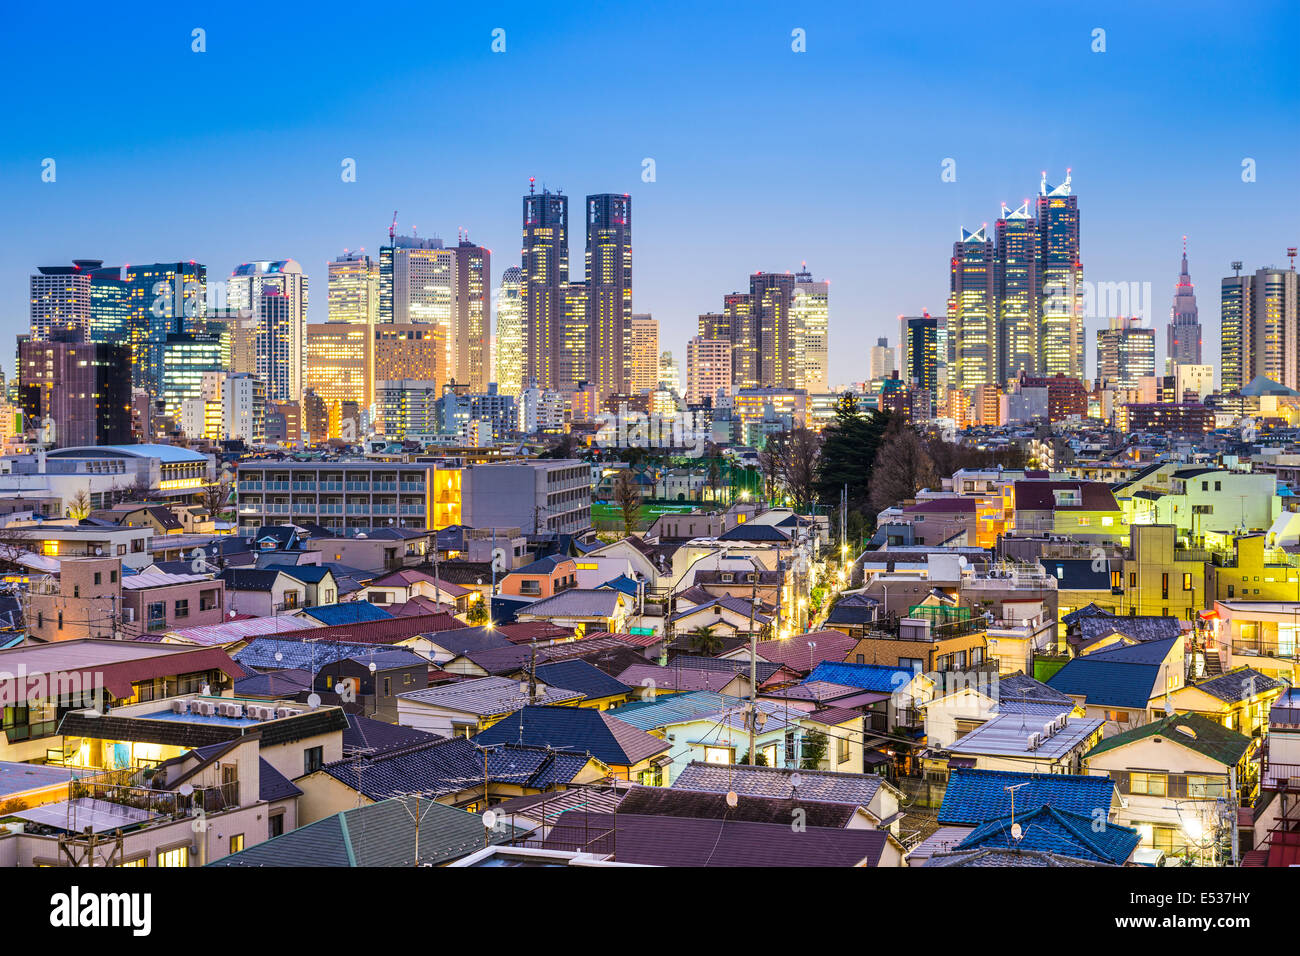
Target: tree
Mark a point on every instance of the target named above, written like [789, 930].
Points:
[79, 506]
[705, 641]
[14, 543]
[848, 452]
[760, 762]
[477, 613]
[215, 496]
[902, 467]
[814, 750]
[562, 447]
[795, 453]
[628, 498]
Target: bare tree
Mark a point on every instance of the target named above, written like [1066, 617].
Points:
[79, 507]
[901, 469]
[14, 542]
[215, 496]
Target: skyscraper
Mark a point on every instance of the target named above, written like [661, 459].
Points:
[1060, 274]
[708, 369]
[281, 321]
[78, 385]
[882, 360]
[643, 350]
[545, 270]
[1260, 328]
[1126, 353]
[1016, 301]
[340, 361]
[811, 309]
[354, 289]
[472, 320]
[60, 300]
[509, 351]
[919, 343]
[1184, 343]
[165, 298]
[972, 311]
[609, 290]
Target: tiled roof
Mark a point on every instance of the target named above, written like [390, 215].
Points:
[352, 612]
[1040, 496]
[462, 639]
[1002, 857]
[308, 573]
[663, 801]
[381, 834]
[803, 652]
[486, 696]
[576, 602]
[1192, 731]
[866, 676]
[1238, 684]
[1019, 687]
[311, 656]
[974, 796]
[1111, 678]
[578, 729]
[280, 684]
[454, 764]
[366, 736]
[542, 565]
[1046, 829]
[227, 632]
[754, 532]
[691, 841]
[248, 579]
[581, 676]
[856, 789]
[1147, 628]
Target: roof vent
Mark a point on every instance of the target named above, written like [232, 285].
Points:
[1182, 729]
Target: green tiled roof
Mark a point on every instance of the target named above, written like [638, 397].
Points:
[1213, 740]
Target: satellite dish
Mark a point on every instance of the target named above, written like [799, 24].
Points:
[313, 701]
[1017, 831]
[795, 780]
[279, 656]
[732, 799]
[185, 789]
[490, 819]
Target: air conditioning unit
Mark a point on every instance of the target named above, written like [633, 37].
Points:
[235, 710]
[196, 706]
[284, 712]
[178, 707]
[257, 711]
[1061, 720]
[1033, 741]
[1049, 728]
[207, 708]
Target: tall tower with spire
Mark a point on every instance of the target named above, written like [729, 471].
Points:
[1184, 342]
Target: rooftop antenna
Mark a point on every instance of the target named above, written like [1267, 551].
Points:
[1236, 265]
[1290, 254]
[532, 185]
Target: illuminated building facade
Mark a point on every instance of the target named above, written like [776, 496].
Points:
[1126, 353]
[509, 351]
[1015, 287]
[1060, 274]
[545, 271]
[276, 291]
[708, 369]
[186, 359]
[410, 351]
[407, 409]
[609, 290]
[472, 322]
[922, 359]
[1260, 328]
[811, 314]
[60, 301]
[972, 311]
[643, 349]
[339, 361]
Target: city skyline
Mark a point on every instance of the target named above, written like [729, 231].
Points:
[697, 224]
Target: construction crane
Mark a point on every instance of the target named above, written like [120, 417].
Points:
[392, 228]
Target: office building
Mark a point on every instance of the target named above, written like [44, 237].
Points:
[540, 497]
[75, 392]
[243, 408]
[811, 314]
[670, 372]
[276, 291]
[407, 409]
[353, 291]
[609, 290]
[882, 360]
[186, 359]
[416, 351]
[60, 301]
[472, 321]
[1126, 353]
[708, 370]
[485, 417]
[509, 351]
[1184, 340]
[919, 343]
[544, 271]
[340, 361]
[643, 335]
[1259, 328]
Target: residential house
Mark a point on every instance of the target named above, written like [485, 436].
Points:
[630, 753]
[543, 578]
[1116, 685]
[408, 584]
[1176, 775]
[469, 707]
[582, 611]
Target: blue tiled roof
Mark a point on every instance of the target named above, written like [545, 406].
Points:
[308, 573]
[1146, 652]
[873, 677]
[578, 729]
[309, 655]
[621, 583]
[582, 676]
[353, 612]
[1112, 683]
[975, 797]
[1046, 829]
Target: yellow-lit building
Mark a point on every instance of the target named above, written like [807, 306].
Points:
[339, 362]
[410, 351]
[446, 497]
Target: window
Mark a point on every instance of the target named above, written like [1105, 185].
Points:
[1218, 486]
[183, 608]
[236, 843]
[388, 687]
[1150, 784]
[313, 758]
[717, 755]
[842, 750]
[121, 549]
[275, 826]
[1187, 581]
[177, 857]
[1164, 585]
[1132, 579]
[99, 576]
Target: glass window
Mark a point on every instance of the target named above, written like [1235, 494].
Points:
[177, 857]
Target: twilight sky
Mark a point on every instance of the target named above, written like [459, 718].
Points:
[763, 157]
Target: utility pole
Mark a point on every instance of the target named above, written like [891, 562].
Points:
[753, 667]
[532, 676]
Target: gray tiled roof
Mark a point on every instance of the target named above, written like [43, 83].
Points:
[486, 696]
[857, 789]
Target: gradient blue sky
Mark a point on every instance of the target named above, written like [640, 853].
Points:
[764, 157]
